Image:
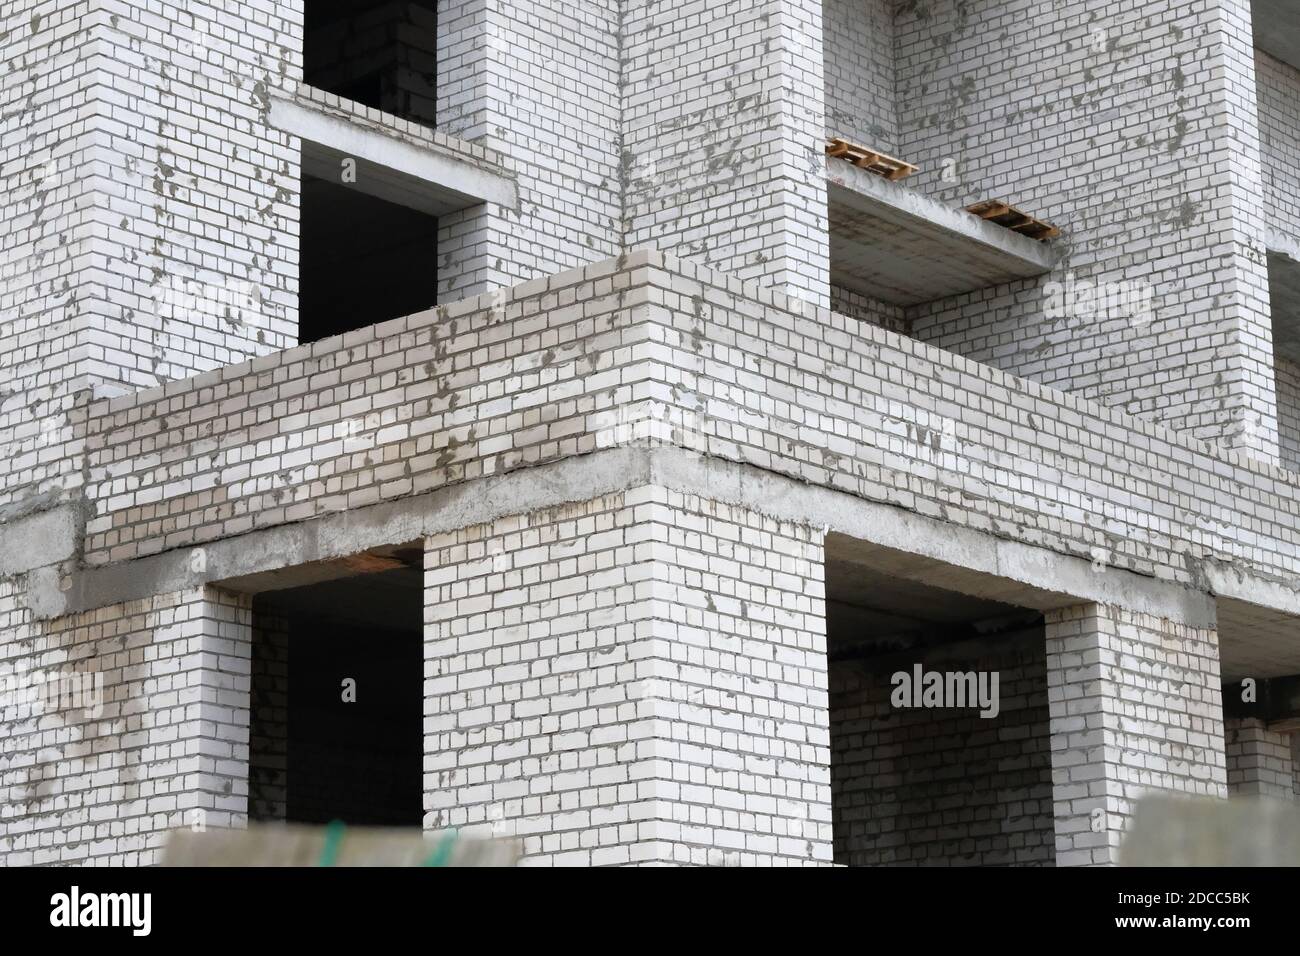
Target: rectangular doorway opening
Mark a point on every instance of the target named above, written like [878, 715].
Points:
[337, 701]
[922, 779]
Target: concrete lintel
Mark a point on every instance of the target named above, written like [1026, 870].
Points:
[898, 245]
[1229, 582]
[255, 561]
[959, 559]
[934, 551]
[389, 166]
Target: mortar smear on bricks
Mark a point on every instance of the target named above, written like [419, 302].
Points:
[513, 417]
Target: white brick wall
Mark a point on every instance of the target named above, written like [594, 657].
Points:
[168, 748]
[540, 84]
[860, 71]
[1113, 129]
[723, 120]
[1288, 413]
[150, 227]
[139, 168]
[1278, 98]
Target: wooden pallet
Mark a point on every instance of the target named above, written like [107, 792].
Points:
[1007, 215]
[869, 159]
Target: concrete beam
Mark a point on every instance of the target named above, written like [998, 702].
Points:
[903, 542]
[391, 165]
[1259, 636]
[900, 246]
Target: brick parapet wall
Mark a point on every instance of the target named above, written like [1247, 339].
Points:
[564, 366]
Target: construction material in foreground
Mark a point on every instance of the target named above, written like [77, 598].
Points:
[334, 845]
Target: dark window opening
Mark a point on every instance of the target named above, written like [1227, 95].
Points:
[384, 55]
[316, 756]
[362, 260]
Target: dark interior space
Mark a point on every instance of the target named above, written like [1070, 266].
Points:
[362, 260]
[381, 54]
[316, 757]
[933, 786]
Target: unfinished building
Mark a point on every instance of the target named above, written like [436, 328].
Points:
[566, 421]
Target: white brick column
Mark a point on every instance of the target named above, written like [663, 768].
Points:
[1259, 760]
[539, 83]
[1193, 347]
[723, 138]
[1135, 706]
[149, 219]
[636, 679]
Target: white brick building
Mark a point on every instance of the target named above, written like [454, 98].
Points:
[530, 369]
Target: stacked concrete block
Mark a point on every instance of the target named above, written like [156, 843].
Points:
[1135, 708]
[1133, 128]
[634, 679]
[161, 741]
[1259, 760]
[539, 84]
